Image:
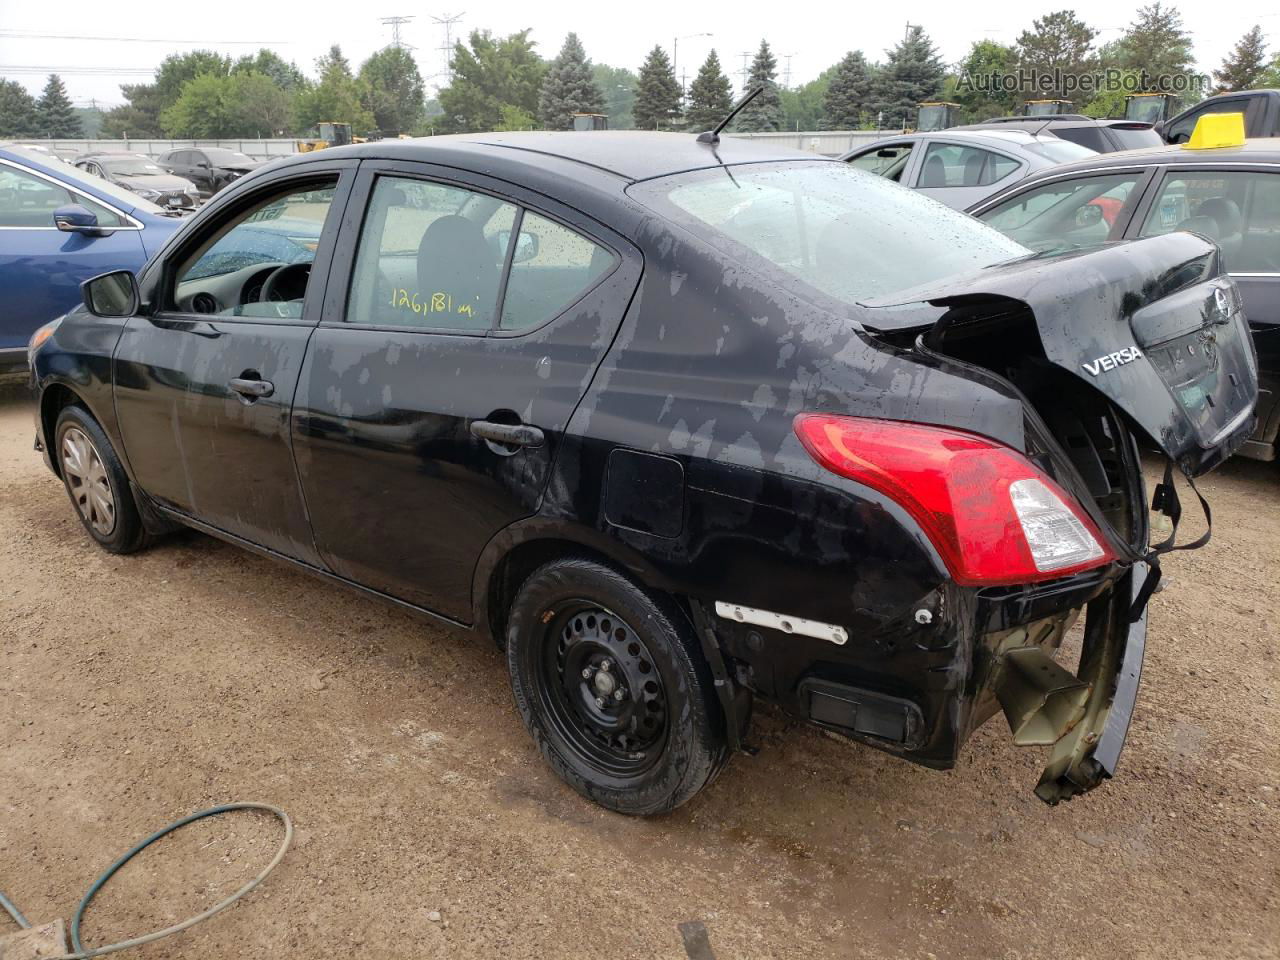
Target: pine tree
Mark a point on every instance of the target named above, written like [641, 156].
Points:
[657, 93]
[1248, 61]
[1058, 41]
[569, 87]
[847, 95]
[765, 111]
[912, 73]
[58, 119]
[1155, 42]
[19, 114]
[710, 95]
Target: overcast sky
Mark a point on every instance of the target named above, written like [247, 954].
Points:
[814, 34]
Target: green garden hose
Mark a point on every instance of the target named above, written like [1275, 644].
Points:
[80, 953]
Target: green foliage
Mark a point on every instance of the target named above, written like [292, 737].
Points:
[765, 111]
[569, 87]
[90, 121]
[286, 76]
[335, 98]
[618, 84]
[912, 73]
[657, 103]
[516, 118]
[845, 101]
[489, 74]
[802, 105]
[986, 58]
[1244, 68]
[1271, 76]
[391, 89]
[19, 113]
[710, 95]
[1155, 42]
[58, 118]
[140, 117]
[1058, 41]
[1110, 103]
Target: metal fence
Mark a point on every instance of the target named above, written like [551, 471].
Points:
[826, 142]
[154, 147]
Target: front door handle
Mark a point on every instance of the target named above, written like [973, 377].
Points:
[253, 389]
[510, 434]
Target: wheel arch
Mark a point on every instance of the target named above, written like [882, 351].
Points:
[54, 398]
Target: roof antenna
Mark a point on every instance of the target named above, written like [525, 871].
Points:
[713, 136]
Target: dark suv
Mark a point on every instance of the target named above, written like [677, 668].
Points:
[1102, 136]
[209, 168]
[678, 424]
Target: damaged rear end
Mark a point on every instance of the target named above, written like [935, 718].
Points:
[1141, 346]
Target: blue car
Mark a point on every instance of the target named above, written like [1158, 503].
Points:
[60, 226]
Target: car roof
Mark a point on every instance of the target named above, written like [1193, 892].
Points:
[1260, 150]
[1054, 123]
[628, 155]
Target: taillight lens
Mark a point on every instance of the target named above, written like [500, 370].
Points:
[992, 515]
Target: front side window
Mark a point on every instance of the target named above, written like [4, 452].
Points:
[1239, 211]
[258, 263]
[843, 233]
[29, 201]
[887, 161]
[1181, 130]
[954, 165]
[1064, 214]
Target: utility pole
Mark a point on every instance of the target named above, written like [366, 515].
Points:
[395, 23]
[745, 72]
[786, 72]
[447, 21]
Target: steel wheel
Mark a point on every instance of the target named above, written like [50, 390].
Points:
[87, 479]
[602, 691]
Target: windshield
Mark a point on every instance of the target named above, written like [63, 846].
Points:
[227, 158]
[850, 235]
[130, 166]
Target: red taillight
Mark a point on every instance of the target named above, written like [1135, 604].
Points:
[990, 513]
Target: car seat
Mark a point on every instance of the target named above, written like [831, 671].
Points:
[934, 173]
[457, 274]
[973, 170]
[1228, 221]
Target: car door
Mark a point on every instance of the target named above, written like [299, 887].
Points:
[959, 174]
[464, 321]
[41, 267]
[205, 375]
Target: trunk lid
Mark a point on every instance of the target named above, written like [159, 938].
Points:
[1154, 325]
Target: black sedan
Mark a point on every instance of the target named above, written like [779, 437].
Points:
[678, 424]
[209, 168]
[1230, 195]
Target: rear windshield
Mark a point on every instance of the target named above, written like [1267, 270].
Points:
[228, 158]
[1060, 151]
[1136, 138]
[848, 234]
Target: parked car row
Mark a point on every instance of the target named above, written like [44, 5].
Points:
[679, 423]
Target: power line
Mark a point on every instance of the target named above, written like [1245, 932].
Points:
[23, 35]
[447, 21]
[76, 70]
[395, 23]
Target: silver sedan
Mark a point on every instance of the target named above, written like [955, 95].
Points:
[962, 167]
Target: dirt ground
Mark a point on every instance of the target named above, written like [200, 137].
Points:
[134, 690]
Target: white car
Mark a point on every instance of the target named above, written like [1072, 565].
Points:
[962, 167]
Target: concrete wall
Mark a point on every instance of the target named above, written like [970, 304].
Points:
[830, 143]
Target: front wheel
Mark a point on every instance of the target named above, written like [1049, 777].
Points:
[96, 482]
[613, 689]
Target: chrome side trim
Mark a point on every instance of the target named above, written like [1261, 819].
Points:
[778, 621]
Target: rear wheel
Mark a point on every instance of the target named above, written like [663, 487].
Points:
[611, 685]
[96, 482]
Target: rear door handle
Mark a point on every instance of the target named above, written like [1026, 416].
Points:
[252, 388]
[511, 434]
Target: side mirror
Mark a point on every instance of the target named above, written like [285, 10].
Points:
[73, 218]
[1158, 127]
[526, 247]
[111, 295]
[203, 165]
[1088, 215]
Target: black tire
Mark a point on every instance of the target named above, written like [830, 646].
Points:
[650, 749]
[122, 532]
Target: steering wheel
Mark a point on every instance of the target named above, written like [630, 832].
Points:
[277, 287]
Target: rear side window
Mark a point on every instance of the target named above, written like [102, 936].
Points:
[953, 165]
[551, 267]
[433, 256]
[1239, 211]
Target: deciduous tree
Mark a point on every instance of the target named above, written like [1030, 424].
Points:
[1059, 42]
[391, 88]
[335, 98]
[490, 73]
[1246, 64]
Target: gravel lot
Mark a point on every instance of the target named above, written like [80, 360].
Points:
[134, 690]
